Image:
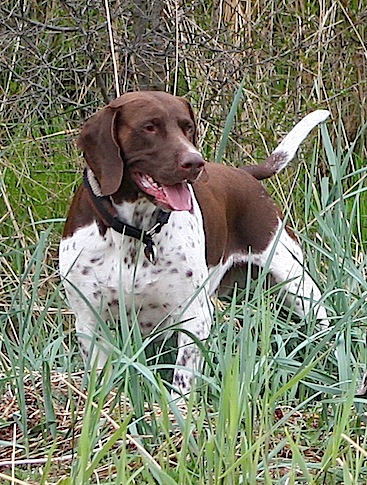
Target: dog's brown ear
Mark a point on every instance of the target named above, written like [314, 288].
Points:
[98, 141]
[192, 116]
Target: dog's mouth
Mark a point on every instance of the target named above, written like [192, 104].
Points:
[175, 197]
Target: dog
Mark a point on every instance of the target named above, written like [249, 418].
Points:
[160, 226]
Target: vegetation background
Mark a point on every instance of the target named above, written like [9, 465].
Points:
[276, 403]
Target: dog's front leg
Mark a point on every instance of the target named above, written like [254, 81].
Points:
[94, 351]
[189, 358]
[86, 302]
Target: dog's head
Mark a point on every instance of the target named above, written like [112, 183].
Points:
[144, 142]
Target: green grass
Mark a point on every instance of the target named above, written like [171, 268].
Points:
[276, 400]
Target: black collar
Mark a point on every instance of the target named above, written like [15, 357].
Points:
[103, 206]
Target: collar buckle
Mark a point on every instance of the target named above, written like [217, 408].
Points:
[150, 251]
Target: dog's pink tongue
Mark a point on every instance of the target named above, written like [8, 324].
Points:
[178, 197]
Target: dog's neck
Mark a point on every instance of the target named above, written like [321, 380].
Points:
[139, 214]
[140, 219]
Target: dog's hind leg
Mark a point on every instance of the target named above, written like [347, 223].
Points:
[284, 259]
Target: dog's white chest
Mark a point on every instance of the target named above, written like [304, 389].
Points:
[105, 270]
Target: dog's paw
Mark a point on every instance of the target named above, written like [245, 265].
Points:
[362, 390]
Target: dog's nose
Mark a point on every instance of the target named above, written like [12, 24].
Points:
[191, 164]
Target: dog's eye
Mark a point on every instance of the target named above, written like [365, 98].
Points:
[188, 129]
[150, 127]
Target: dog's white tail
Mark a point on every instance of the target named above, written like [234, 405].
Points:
[286, 150]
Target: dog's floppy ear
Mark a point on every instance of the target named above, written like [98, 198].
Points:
[98, 141]
[192, 116]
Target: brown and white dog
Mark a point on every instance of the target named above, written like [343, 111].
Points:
[155, 223]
